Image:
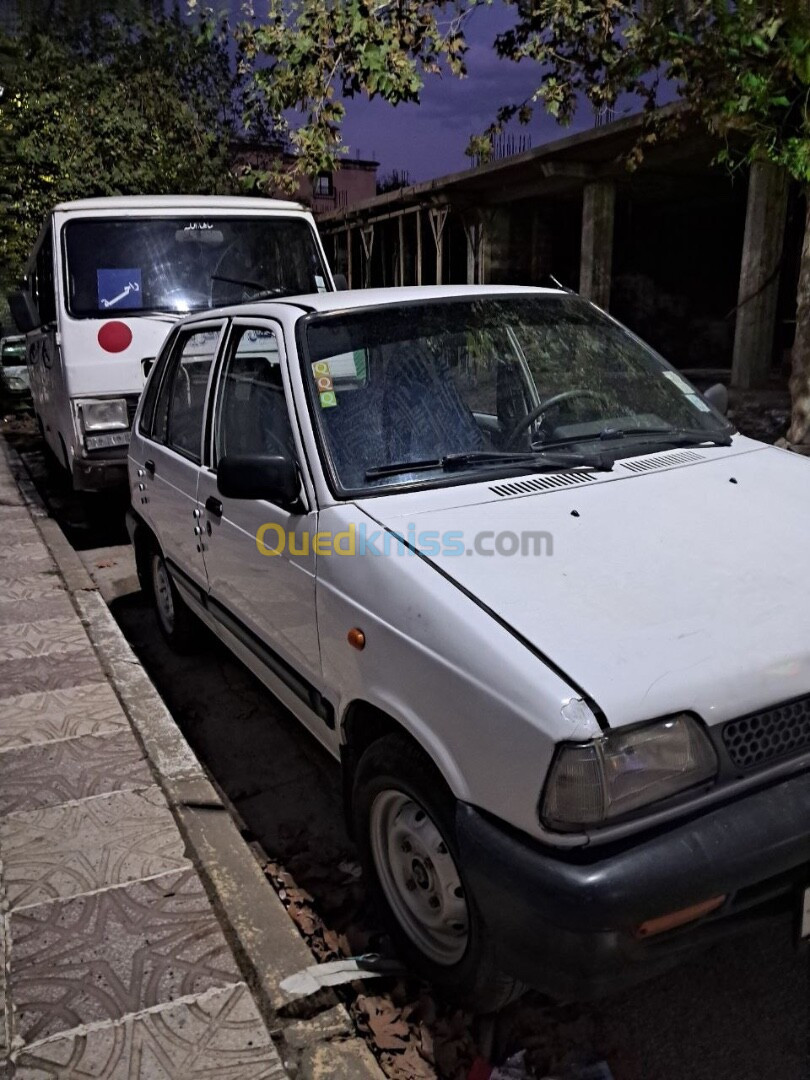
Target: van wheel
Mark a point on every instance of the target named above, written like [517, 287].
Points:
[404, 819]
[176, 621]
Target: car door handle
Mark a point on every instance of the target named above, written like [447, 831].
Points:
[150, 467]
[213, 506]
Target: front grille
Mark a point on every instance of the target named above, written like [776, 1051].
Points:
[132, 404]
[774, 733]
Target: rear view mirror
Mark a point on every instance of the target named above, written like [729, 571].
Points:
[23, 311]
[717, 396]
[341, 282]
[259, 476]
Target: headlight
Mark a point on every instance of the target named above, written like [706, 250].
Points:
[104, 415]
[591, 783]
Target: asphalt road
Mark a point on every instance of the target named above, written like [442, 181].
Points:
[740, 1011]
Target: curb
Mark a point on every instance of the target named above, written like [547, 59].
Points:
[266, 944]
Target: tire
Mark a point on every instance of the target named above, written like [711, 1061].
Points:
[175, 619]
[404, 821]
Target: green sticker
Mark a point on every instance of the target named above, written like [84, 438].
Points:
[328, 399]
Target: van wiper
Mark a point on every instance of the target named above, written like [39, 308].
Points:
[678, 436]
[262, 291]
[532, 461]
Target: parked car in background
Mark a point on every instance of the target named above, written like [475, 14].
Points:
[108, 278]
[530, 588]
[15, 390]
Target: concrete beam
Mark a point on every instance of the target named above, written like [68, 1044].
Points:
[596, 254]
[759, 275]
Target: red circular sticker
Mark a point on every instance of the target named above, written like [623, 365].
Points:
[114, 337]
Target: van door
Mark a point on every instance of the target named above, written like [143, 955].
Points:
[168, 458]
[267, 600]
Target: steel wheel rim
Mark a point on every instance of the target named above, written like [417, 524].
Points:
[419, 877]
[163, 593]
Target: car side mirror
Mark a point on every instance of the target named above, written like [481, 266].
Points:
[23, 311]
[259, 476]
[717, 396]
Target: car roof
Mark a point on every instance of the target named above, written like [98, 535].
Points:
[356, 299]
[179, 202]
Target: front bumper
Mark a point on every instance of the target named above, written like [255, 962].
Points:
[564, 923]
[101, 470]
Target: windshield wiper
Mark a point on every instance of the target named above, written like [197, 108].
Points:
[681, 436]
[262, 291]
[533, 461]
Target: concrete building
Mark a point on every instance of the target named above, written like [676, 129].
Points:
[700, 262]
[333, 190]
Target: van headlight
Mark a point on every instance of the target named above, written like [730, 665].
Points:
[109, 415]
[592, 783]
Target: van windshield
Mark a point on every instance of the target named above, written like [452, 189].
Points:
[188, 263]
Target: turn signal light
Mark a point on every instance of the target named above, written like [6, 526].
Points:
[678, 918]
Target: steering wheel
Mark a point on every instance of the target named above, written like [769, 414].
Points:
[543, 407]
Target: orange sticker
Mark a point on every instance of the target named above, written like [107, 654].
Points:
[325, 382]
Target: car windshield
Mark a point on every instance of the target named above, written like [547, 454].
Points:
[471, 384]
[188, 263]
[13, 353]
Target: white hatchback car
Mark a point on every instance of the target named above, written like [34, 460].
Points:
[529, 586]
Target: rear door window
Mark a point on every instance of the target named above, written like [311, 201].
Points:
[180, 410]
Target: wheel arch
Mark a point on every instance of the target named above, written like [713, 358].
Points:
[364, 723]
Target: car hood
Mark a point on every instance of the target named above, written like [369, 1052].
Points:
[679, 589]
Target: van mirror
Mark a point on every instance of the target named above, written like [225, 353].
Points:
[717, 396]
[259, 476]
[23, 311]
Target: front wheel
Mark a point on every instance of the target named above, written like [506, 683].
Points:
[404, 818]
[176, 621]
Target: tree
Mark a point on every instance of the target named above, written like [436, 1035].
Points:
[741, 68]
[307, 57]
[115, 107]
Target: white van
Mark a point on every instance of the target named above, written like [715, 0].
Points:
[108, 278]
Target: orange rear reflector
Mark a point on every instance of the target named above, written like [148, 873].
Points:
[678, 918]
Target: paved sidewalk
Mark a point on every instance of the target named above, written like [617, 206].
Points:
[114, 964]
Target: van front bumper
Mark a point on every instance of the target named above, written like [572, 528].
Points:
[101, 471]
[564, 923]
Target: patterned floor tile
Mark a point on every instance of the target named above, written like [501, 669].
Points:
[87, 845]
[14, 513]
[49, 672]
[13, 565]
[60, 714]
[220, 1035]
[29, 588]
[99, 957]
[52, 773]
[26, 545]
[29, 639]
[54, 605]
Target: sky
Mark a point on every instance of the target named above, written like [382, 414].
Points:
[429, 139]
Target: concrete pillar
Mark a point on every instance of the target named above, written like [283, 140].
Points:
[438, 220]
[596, 253]
[349, 257]
[418, 219]
[759, 275]
[401, 244]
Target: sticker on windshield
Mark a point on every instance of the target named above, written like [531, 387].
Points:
[320, 284]
[328, 399]
[119, 289]
[321, 367]
[680, 382]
